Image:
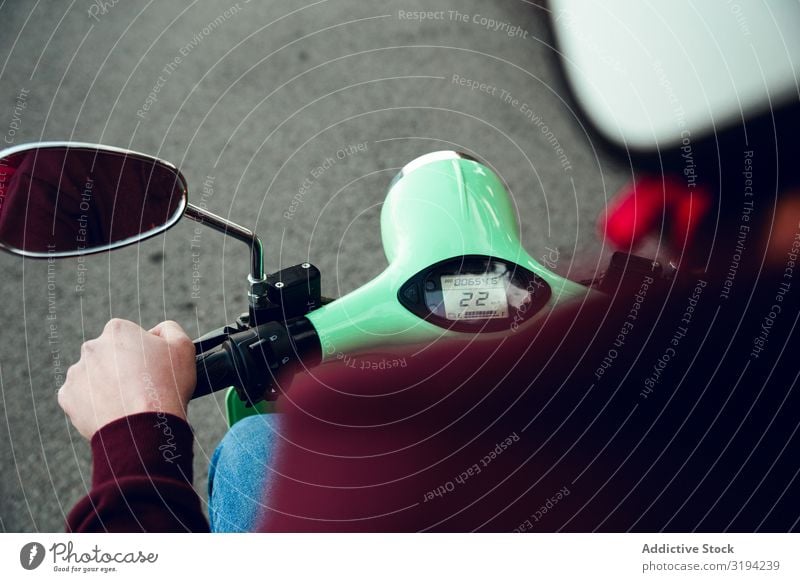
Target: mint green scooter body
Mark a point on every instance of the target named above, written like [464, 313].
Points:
[434, 210]
[441, 206]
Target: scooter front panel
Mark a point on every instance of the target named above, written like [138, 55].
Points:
[474, 294]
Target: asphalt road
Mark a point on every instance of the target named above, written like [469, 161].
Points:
[249, 99]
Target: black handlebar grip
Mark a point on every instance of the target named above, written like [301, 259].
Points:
[215, 371]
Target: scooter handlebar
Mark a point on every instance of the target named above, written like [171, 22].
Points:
[215, 371]
[251, 359]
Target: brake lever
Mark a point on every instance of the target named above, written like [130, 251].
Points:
[218, 336]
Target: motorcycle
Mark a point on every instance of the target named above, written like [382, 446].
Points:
[457, 269]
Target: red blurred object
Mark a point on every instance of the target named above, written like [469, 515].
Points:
[654, 203]
[688, 212]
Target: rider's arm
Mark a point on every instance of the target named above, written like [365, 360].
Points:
[141, 478]
[128, 395]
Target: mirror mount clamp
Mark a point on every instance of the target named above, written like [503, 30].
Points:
[257, 280]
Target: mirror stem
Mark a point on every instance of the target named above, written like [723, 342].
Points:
[257, 279]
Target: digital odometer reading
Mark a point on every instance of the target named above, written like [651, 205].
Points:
[474, 296]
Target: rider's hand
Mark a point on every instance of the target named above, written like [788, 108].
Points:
[128, 370]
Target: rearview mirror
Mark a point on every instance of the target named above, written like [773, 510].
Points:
[63, 199]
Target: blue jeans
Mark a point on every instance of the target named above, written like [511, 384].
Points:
[240, 474]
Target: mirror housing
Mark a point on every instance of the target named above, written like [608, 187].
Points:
[66, 199]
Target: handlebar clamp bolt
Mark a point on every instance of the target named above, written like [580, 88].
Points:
[258, 292]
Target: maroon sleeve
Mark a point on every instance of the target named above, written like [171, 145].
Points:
[141, 478]
[437, 439]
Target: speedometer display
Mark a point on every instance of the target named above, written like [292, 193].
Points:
[475, 296]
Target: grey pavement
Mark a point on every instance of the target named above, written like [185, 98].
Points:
[252, 98]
